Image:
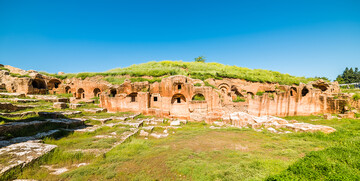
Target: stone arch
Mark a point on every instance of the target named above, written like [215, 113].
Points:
[177, 99]
[53, 83]
[224, 88]
[133, 96]
[113, 92]
[80, 93]
[179, 107]
[293, 91]
[96, 92]
[304, 91]
[67, 89]
[198, 97]
[38, 84]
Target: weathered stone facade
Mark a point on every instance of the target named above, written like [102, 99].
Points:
[174, 96]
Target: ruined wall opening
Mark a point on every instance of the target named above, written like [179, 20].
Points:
[113, 92]
[293, 91]
[198, 97]
[179, 87]
[54, 83]
[97, 92]
[304, 92]
[155, 99]
[322, 87]
[38, 84]
[80, 93]
[67, 89]
[178, 98]
[133, 96]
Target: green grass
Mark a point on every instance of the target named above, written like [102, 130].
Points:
[356, 97]
[198, 97]
[196, 70]
[196, 152]
[18, 75]
[3, 68]
[115, 80]
[239, 99]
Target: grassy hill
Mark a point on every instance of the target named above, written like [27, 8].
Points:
[197, 70]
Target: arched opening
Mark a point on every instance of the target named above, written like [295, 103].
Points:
[238, 97]
[304, 91]
[198, 97]
[113, 92]
[178, 99]
[53, 83]
[67, 89]
[38, 84]
[80, 93]
[133, 97]
[97, 92]
[293, 91]
[179, 107]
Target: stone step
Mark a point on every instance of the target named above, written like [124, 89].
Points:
[15, 127]
[21, 154]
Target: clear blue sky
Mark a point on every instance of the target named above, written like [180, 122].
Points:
[303, 38]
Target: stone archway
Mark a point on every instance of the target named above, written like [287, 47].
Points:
[113, 92]
[97, 92]
[53, 84]
[80, 93]
[38, 84]
[67, 90]
[179, 106]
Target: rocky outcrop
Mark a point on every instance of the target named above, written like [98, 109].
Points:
[241, 119]
[21, 154]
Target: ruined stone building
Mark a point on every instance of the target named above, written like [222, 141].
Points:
[183, 97]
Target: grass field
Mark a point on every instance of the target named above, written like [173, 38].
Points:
[198, 70]
[196, 152]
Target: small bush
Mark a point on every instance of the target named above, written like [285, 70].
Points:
[197, 84]
[18, 75]
[260, 93]
[239, 99]
[356, 97]
[209, 85]
[198, 97]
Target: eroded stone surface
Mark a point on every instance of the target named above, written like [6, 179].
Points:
[241, 119]
[21, 154]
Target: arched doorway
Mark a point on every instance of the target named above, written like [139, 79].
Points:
[67, 89]
[38, 84]
[304, 92]
[179, 106]
[53, 83]
[97, 92]
[80, 93]
[113, 92]
[198, 97]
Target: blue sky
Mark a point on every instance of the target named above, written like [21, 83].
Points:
[303, 38]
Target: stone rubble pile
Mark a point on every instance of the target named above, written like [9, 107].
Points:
[242, 119]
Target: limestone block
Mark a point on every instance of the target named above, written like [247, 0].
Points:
[75, 106]
[59, 105]
[143, 133]
[175, 123]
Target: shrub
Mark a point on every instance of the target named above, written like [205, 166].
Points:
[356, 97]
[239, 99]
[198, 97]
[197, 84]
[260, 93]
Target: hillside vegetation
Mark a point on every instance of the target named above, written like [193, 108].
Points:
[198, 70]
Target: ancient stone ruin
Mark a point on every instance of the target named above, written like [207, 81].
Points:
[186, 98]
